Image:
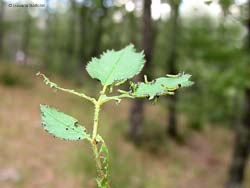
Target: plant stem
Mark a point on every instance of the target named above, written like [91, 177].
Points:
[97, 160]
[96, 119]
[102, 173]
[94, 141]
[53, 85]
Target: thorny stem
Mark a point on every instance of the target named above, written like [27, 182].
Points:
[96, 119]
[102, 172]
[53, 85]
[94, 141]
[78, 94]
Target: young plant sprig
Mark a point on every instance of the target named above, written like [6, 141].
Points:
[112, 69]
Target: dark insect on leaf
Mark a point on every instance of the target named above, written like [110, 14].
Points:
[62, 125]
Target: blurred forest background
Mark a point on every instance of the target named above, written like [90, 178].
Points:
[198, 138]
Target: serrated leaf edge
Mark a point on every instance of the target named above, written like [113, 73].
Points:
[118, 80]
[75, 123]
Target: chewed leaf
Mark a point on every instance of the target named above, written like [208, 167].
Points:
[116, 66]
[103, 152]
[161, 86]
[61, 125]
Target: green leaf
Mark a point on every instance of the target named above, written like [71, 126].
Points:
[61, 125]
[115, 66]
[161, 86]
[104, 153]
[99, 183]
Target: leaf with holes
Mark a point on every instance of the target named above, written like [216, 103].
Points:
[115, 66]
[103, 152]
[62, 125]
[161, 86]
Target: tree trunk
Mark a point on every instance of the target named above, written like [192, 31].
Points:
[137, 109]
[172, 68]
[71, 41]
[47, 39]
[134, 28]
[1, 26]
[72, 28]
[82, 33]
[81, 54]
[248, 26]
[241, 147]
[99, 32]
[26, 36]
[242, 137]
[172, 129]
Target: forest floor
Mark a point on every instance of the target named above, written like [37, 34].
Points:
[30, 158]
